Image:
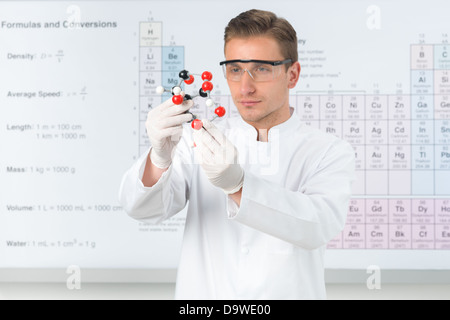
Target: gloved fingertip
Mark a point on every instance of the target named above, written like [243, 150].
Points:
[206, 124]
[188, 103]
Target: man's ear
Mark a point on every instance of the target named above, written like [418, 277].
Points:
[293, 74]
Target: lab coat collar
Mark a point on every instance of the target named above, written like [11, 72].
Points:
[283, 129]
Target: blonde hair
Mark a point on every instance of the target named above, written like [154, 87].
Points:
[264, 23]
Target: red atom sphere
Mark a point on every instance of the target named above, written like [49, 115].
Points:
[177, 99]
[197, 124]
[190, 80]
[207, 76]
[207, 86]
[220, 111]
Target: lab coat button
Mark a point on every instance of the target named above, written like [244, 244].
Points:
[245, 250]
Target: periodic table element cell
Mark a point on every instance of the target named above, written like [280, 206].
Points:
[422, 82]
[169, 79]
[377, 157]
[353, 107]
[422, 157]
[442, 132]
[150, 59]
[199, 108]
[400, 159]
[377, 236]
[442, 207]
[422, 107]
[442, 57]
[308, 107]
[443, 236]
[377, 211]
[423, 236]
[377, 132]
[151, 34]
[377, 107]
[442, 82]
[144, 141]
[442, 158]
[442, 106]
[442, 223]
[149, 82]
[422, 57]
[333, 127]
[354, 236]
[330, 107]
[173, 59]
[399, 132]
[400, 236]
[354, 131]
[356, 211]
[399, 107]
[400, 211]
[422, 211]
[146, 103]
[422, 132]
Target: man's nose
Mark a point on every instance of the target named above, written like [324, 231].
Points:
[247, 83]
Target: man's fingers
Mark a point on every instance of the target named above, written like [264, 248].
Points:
[203, 136]
[214, 132]
[170, 116]
[165, 105]
[168, 108]
[174, 132]
[203, 153]
[175, 120]
[177, 109]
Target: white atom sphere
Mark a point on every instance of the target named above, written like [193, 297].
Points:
[176, 90]
[160, 89]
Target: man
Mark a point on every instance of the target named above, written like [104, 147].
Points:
[266, 193]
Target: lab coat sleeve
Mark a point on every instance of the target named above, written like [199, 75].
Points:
[163, 200]
[308, 217]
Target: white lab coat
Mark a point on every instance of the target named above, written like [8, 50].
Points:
[294, 200]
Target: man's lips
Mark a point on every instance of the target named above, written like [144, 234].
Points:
[249, 103]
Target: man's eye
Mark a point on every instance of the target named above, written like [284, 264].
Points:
[262, 69]
[234, 70]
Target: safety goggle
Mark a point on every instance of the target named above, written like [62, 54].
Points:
[258, 70]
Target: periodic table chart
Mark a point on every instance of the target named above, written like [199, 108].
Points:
[401, 198]
[79, 80]
[401, 141]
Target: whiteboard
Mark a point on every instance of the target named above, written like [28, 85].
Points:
[78, 78]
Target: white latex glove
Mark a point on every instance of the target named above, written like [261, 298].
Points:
[164, 129]
[219, 158]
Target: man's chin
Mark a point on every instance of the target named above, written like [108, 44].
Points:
[251, 116]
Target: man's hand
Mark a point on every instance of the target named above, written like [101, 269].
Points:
[164, 129]
[218, 158]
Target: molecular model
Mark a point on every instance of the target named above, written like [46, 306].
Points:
[205, 92]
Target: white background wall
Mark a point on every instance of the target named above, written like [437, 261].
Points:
[166, 291]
